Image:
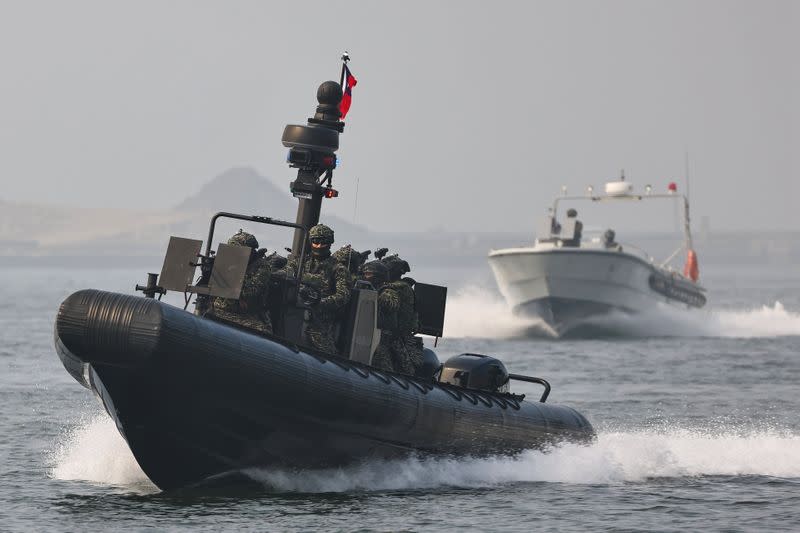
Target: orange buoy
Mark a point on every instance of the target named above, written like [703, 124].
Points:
[691, 270]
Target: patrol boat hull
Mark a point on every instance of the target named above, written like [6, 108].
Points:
[194, 398]
[568, 287]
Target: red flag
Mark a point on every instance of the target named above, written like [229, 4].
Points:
[347, 97]
[691, 270]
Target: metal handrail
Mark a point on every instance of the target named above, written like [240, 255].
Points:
[530, 379]
[260, 220]
[666, 261]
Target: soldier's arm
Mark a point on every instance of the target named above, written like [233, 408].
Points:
[388, 305]
[256, 283]
[407, 306]
[341, 289]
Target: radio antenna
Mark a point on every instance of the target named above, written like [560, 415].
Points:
[355, 210]
[687, 221]
[686, 169]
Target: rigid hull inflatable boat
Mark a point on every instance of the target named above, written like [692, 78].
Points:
[195, 396]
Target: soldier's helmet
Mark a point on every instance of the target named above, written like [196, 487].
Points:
[396, 266]
[242, 238]
[375, 272]
[571, 213]
[321, 234]
[343, 254]
[350, 258]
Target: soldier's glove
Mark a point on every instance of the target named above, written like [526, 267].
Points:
[206, 266]
[308, 296]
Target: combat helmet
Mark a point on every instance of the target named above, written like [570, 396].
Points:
[376, 272]
[321, 233]
[350, 258]
[242, 238]
[343, 254]
[396, 266]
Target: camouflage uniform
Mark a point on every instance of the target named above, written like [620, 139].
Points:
[396, 320]
[399, 339]
[331, 280]
[250, 309]
[392, 352]
[376, 273]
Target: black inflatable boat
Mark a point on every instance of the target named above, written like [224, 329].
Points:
[195, 397]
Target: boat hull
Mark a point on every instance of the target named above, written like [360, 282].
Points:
[194, 398]
[567, 287]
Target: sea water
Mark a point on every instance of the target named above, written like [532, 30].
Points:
[697, 414]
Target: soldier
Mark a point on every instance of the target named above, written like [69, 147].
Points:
[576, 238]
[250, 309]
[385, 356]
[394, 351]
[407, 320]
[325, 285]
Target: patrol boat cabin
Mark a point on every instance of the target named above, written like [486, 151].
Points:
[567, 279]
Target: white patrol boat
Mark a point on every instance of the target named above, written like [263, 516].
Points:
[567, 279]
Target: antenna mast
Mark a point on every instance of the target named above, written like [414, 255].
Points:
[687, 221]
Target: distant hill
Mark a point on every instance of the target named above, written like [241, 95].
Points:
[244, 190]
[53, 230]
[57, 232]
[241, 190]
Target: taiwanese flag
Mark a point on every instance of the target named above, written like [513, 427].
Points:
[349, 82]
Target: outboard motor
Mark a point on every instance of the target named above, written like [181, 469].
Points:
[475, 371]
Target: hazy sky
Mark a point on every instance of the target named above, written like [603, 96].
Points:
[466, 115]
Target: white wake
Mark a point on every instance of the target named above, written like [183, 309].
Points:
[614, 458]
[479, 312]
[95, 452]
[482, 313]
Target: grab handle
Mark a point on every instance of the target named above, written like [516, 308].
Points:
[529, 379]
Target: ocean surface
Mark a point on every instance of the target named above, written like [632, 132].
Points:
[697, 414]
